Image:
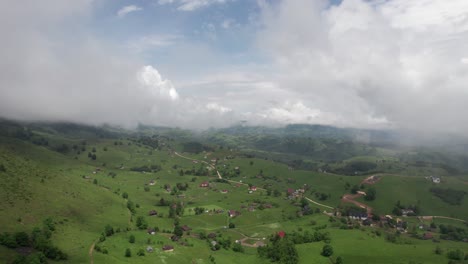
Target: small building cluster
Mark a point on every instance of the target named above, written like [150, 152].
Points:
[204, 184]
[434, 179]
[293, 194]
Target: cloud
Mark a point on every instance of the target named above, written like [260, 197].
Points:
[150, 42]
[48, 75]
[373, 64]
[191, 5]
[128, 9]
[390, 61]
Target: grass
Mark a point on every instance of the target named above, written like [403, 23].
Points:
[415, 191]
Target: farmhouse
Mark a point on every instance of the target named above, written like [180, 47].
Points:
[149, 249]
[428, 236]
[233, 213]
[152, 182]
[433, 179]
[406, 212]
[358, 215]
[253, 188]
[186, 228]
[168, 248]
[281, 234]
[224, 191]
[152, 213]
[204, 184]
[151, 231]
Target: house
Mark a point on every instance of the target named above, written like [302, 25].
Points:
[152, 182]
[224, 191]
[186, 228]
[428, 236]
[149, 249]
[281, 234]
[168, 248]
[152, 213]
[434, 179]
[253, 188]
[151, 231]
[204, 184]
[212, 235]
[406, 212]
[357, 215]
[290, 191]
[233, 213]
[175, 238]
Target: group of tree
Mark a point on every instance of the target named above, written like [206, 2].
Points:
[370, 194]
[39, 239]
[147, 168]
[280, 250]
[141, 223]
[399, 207]
[450, 232]
[92, 156]
[176, 209]
[449, 195]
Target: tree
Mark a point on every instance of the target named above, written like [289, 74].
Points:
[438, 250]
[327, 251]
[355, 189]
[22, 239]
[178, 231]
[128, 253]
[141, 223]
[370, 194]
[232, 225]
[237, 247]
[125, 195]
[131, 239]
[93, 157]
[108, 230]
[339, 260]
[141, 252]
[2, 168]
[456, 254]
[95, 181]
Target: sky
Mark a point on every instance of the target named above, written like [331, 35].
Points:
[380, 64]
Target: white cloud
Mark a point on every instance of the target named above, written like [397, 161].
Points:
[370, 62]
[150, 77]
[128, 9]
[218, 108]
[147, 43]
[191, 5]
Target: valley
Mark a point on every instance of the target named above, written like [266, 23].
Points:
[150, 196]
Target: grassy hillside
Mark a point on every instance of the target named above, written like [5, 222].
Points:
[98, 186]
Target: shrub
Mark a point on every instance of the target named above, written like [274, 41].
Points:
[128, 253]
[327, 251]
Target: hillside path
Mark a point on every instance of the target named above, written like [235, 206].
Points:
[90, 253]
[430, 217]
